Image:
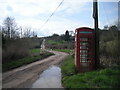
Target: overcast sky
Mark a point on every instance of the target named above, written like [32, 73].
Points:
[70, 15]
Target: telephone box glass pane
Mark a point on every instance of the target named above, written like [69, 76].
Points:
[83, 49]
[84, 39]
[83, 45]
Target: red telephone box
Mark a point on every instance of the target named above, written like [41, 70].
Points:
[84, 49]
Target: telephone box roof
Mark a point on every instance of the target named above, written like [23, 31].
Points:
[84, 28]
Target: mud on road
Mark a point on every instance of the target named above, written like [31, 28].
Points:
[24, 76]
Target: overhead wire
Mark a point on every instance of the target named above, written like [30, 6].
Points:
[52, 14]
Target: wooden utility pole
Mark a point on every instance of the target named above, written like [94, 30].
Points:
[119, 15]
[95, 16]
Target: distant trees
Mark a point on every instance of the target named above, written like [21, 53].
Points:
[110, 34]
[55, 35]
[34, 34]
[106, 27]
[67, 36]
[114, 31]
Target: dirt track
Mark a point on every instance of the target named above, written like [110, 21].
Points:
[24, 76]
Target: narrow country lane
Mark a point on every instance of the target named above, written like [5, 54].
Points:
[24, 76]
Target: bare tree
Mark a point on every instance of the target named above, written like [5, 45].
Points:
[10, 28]
[27, 32]
[34, 34]
[0, 28]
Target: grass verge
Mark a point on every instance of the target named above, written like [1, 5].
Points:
[64, 50]
[68, 67]
[104, 78]
[36, 50]
[20, 62]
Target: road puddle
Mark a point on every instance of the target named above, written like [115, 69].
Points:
[50, 78]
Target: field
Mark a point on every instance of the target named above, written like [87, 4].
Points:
[56, 42]
[103, 78]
